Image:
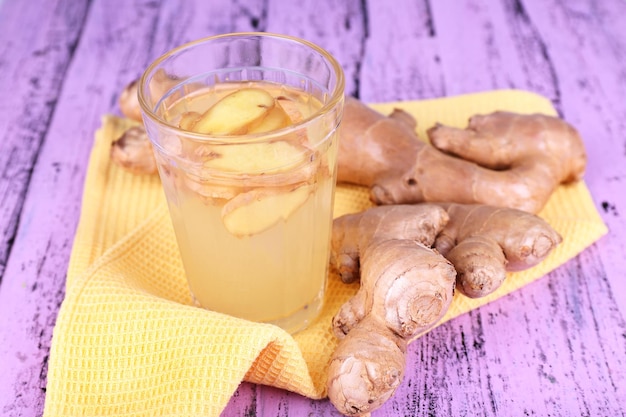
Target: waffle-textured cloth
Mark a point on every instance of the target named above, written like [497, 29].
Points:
[128, 340]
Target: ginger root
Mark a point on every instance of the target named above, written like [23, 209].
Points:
[406, 287]
[133, 152]
[501, 159]
[129, 101]
[484, 242]
[160, 83]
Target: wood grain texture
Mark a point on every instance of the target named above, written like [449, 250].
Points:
[558, 347]
[592, 78]
[401, 60]
[340, 29]
[33, 285]
[33, 66]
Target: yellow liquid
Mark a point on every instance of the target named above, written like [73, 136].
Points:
[277, 275]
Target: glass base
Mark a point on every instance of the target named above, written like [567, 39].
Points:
[298, 321]
[302, 318]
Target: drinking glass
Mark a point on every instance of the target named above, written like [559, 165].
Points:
[251, 205]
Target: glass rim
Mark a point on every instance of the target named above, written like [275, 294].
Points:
[336, 96]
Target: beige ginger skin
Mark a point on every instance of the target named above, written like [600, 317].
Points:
[485, 242]
[502, 159]
[133, 152]
[406, 287]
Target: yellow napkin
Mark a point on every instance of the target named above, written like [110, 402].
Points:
[129, 342]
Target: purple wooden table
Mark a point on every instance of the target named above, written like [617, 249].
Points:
[557, 347]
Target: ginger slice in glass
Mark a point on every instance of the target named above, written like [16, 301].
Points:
[235, 113]
[257, 210]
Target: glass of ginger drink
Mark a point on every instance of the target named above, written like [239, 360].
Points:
[245, 129]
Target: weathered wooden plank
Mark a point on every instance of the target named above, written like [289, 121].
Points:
[33, 284]
[586, 40]
[401, 58]
[33, 65]
[337, 26]
[183, 21]
[491, 45]
[270, 401]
